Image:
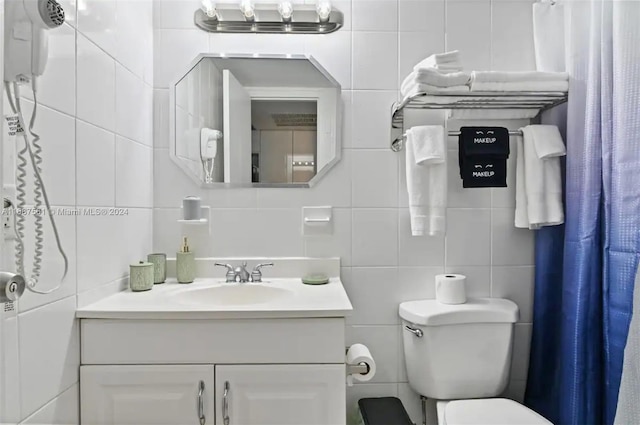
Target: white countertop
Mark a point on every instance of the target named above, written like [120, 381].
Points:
[170, 300]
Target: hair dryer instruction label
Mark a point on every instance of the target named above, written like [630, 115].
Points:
[13, 123]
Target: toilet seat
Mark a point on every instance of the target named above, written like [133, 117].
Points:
[487, 411]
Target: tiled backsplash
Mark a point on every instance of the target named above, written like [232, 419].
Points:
[382, 264]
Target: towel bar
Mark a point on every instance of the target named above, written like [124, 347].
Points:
[398, 143]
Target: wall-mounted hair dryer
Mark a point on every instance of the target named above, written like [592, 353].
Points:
[208, 151]
[25, 40]
[26, 52]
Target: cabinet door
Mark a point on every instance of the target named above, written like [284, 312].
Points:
[146, 395]
[280, 394]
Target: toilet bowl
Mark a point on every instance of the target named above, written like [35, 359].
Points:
[460, 355]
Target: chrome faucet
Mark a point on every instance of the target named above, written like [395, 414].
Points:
[240, 273]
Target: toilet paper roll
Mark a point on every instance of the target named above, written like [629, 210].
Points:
[451, 288]
[191, 206]
[356, 354]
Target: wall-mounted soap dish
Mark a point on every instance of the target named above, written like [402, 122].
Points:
[205, 214]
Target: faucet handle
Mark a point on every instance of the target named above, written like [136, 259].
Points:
[256, 274]
[231, 274]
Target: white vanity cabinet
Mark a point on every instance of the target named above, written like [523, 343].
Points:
[146, 395]
[280, 394]
[276, 372]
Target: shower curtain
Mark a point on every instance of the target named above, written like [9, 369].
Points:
[585, 271]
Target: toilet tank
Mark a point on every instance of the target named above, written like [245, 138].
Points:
[458, 351]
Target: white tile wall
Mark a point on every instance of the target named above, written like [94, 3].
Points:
[95, 120]
[383, 264]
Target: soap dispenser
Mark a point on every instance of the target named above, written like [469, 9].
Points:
[185, 263]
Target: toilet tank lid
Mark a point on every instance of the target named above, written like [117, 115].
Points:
[475, 310]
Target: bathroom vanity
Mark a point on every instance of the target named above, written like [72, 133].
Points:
[216, 353]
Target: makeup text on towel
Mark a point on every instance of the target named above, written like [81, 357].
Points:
[483, 153]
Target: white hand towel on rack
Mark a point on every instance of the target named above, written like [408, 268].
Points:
[426, 179]
[547, 141]
[538, 178]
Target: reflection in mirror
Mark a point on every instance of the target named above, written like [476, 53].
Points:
[255, 121]
[284, 140]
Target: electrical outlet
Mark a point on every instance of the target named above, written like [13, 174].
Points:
[8, 222]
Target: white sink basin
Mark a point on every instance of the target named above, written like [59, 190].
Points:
[236, 294]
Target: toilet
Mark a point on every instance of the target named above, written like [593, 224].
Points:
[460, 355]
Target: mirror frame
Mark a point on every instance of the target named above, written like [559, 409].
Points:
[220, 185]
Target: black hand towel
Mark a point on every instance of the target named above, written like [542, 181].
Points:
[482, 156]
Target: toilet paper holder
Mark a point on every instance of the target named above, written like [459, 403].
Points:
[361, 368]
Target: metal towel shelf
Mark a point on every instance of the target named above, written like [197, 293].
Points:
[470, 100]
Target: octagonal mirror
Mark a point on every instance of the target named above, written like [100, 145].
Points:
[255, 121]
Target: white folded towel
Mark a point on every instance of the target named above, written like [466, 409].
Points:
[519, 81]
[548, 36]
[429, 89]
[447, 60]
[541, 86]
[538, 178]
[435, 78]
[446, 100]
[426, 179]
[517, 76]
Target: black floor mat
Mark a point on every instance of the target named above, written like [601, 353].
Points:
[383, 411]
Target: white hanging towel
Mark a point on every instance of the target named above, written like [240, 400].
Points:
[538, 177]
[548, 36]
[427, 179]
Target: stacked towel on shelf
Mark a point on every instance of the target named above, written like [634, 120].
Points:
[519, 81]
[538, 177]
[443, 62]
[426, 156]
[432, 78]
[436, 74]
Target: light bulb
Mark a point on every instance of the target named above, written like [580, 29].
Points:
[285, 9]
[248, 10]
[209, 8]
[323, 7]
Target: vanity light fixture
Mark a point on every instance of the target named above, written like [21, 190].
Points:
[209, 8]
[285, 9]
[248, 10]
[279, 17]
[323, 7]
